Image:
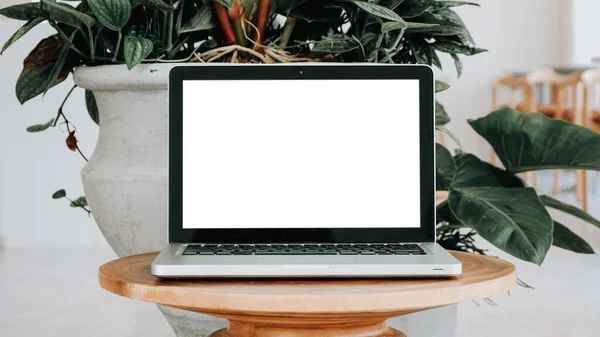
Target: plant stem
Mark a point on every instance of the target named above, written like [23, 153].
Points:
[236, 14]
[170, 28]
[114, 59]
[221, 12]
[287, 31]
[66, 39]
[61, 114]
[261, 22]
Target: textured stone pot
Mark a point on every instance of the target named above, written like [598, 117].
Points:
[125, 182]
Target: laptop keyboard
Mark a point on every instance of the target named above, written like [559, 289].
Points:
[307, 249]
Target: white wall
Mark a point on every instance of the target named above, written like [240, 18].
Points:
[584, 43]
[33, 166]
[520, 35]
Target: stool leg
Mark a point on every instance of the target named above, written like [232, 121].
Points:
[578, 185]
[556, 189]
[584, 190]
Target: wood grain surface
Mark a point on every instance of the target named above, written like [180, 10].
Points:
[482, 277]
[304, 307]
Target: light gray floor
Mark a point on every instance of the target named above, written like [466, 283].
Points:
[54, 292]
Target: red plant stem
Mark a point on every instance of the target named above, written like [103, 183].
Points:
[236, 14]
[221, 12]
[261, 21]
[287, 31]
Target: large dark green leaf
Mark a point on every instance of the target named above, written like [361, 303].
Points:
[445, 168]
[452, 47]
[92, 106]
[513, 219]
[335, 44]
[569, 209]
[506, 178]
[23, 12]
[61, 12]
[202, 20]
[22, 31]
[32, 81]
[158, 4]
[441, 116]
[530, 142]
[472, 172]
[113, 14]
[40, 127]
[58, 67]
[566, 239]
[136, 50]
[413, 8]
[378, 11]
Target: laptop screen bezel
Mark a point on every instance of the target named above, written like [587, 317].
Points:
[424, 74]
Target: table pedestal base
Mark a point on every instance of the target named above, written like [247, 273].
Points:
[287, 328]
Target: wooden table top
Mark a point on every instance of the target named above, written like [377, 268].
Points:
[482, 277]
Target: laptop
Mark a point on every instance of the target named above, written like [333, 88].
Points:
[302, 171]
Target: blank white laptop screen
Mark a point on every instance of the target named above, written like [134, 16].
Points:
[301, 154]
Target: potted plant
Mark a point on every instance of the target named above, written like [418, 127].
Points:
[121, 51]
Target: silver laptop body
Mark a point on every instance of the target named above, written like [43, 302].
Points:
[302, 171]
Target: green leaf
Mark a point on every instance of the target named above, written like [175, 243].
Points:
[22, 31]
[33, 82]
[441, 116]
[445, 168]
[564, 238]
[59, 194]
[158, 4]
[40, 127]
[569, 209]
[506, 178]
[202, 20]
[335, 44]
[441, 86]
[512, 219]
[79, 202]
[378, 10]
[456, 3]
[531, 142]
[24, 12]
[472, 172]
[136, 50]
[413, 8]
[92, 106]
[435, 59]
[113, 14]
[444, 214]
[393, 25]
[58, 66]
[421, 27]
[226, 3]
[61, 12]
[451, 16]
[452, 47]
[458, 64]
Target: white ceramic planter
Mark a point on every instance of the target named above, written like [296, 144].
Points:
[125, 182]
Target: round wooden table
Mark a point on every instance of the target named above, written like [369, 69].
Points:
[303, 308]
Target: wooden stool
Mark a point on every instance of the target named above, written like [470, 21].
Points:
[590, 118]
[308, 308]
[562, 103]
